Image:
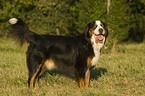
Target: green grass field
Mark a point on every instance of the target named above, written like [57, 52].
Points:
[120, 74]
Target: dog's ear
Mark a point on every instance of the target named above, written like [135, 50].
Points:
[105, 26]
[106, 29]
[88, 30]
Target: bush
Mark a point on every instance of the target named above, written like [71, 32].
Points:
[70, 17]
[89, 10]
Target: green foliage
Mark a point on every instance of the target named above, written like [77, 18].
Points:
[40, 15]
[137, 20]
[118, 22]
[70, 17]
[86, 11]
[9, 9]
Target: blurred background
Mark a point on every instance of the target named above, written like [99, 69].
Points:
[125, 18]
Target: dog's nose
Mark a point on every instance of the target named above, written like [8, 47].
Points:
[100, 30]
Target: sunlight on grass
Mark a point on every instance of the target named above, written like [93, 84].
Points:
[115, 74]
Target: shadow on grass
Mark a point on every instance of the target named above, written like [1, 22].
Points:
[95, 73]
[98, 72]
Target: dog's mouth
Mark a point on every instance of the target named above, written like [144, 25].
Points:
[99, 38]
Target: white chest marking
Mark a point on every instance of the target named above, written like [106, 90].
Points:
[96, 31]
[96, 48]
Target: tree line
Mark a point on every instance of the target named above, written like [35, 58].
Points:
[69, 17]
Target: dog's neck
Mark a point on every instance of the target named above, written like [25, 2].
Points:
[96, 48]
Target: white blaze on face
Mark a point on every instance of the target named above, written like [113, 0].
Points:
[98, 37]
[99, 26]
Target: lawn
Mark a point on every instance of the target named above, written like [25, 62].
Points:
[120, 74]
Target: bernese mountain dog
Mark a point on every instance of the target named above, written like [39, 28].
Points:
[72, 54]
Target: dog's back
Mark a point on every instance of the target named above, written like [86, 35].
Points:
[73, 54]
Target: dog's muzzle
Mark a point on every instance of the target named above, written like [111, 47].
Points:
[99, 38]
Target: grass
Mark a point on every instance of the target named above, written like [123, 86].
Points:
[120, 74]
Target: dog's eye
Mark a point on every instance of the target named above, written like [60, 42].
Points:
[101, 24]
[95, 26]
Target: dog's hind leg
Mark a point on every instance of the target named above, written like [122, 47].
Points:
[42, 70]
[34, 76]
[34, 64]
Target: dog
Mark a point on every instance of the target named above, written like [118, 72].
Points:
[73, 54]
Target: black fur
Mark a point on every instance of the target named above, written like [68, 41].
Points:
[69, 53]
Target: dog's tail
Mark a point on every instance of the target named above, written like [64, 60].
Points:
[21, 31]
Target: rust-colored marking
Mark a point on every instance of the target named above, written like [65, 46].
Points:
[91, 32]
[101, 24]
[96, 24]
[25, 45]
[81, 82]
[89, 62]
[33, 77]
[50, 64]
[42, 70]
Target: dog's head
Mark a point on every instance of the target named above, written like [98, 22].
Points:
[96, 31]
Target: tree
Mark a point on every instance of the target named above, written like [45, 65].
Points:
[86, 11]
[70, 17]
[137, 20]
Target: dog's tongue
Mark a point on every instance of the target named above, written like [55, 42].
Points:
[98, 38]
